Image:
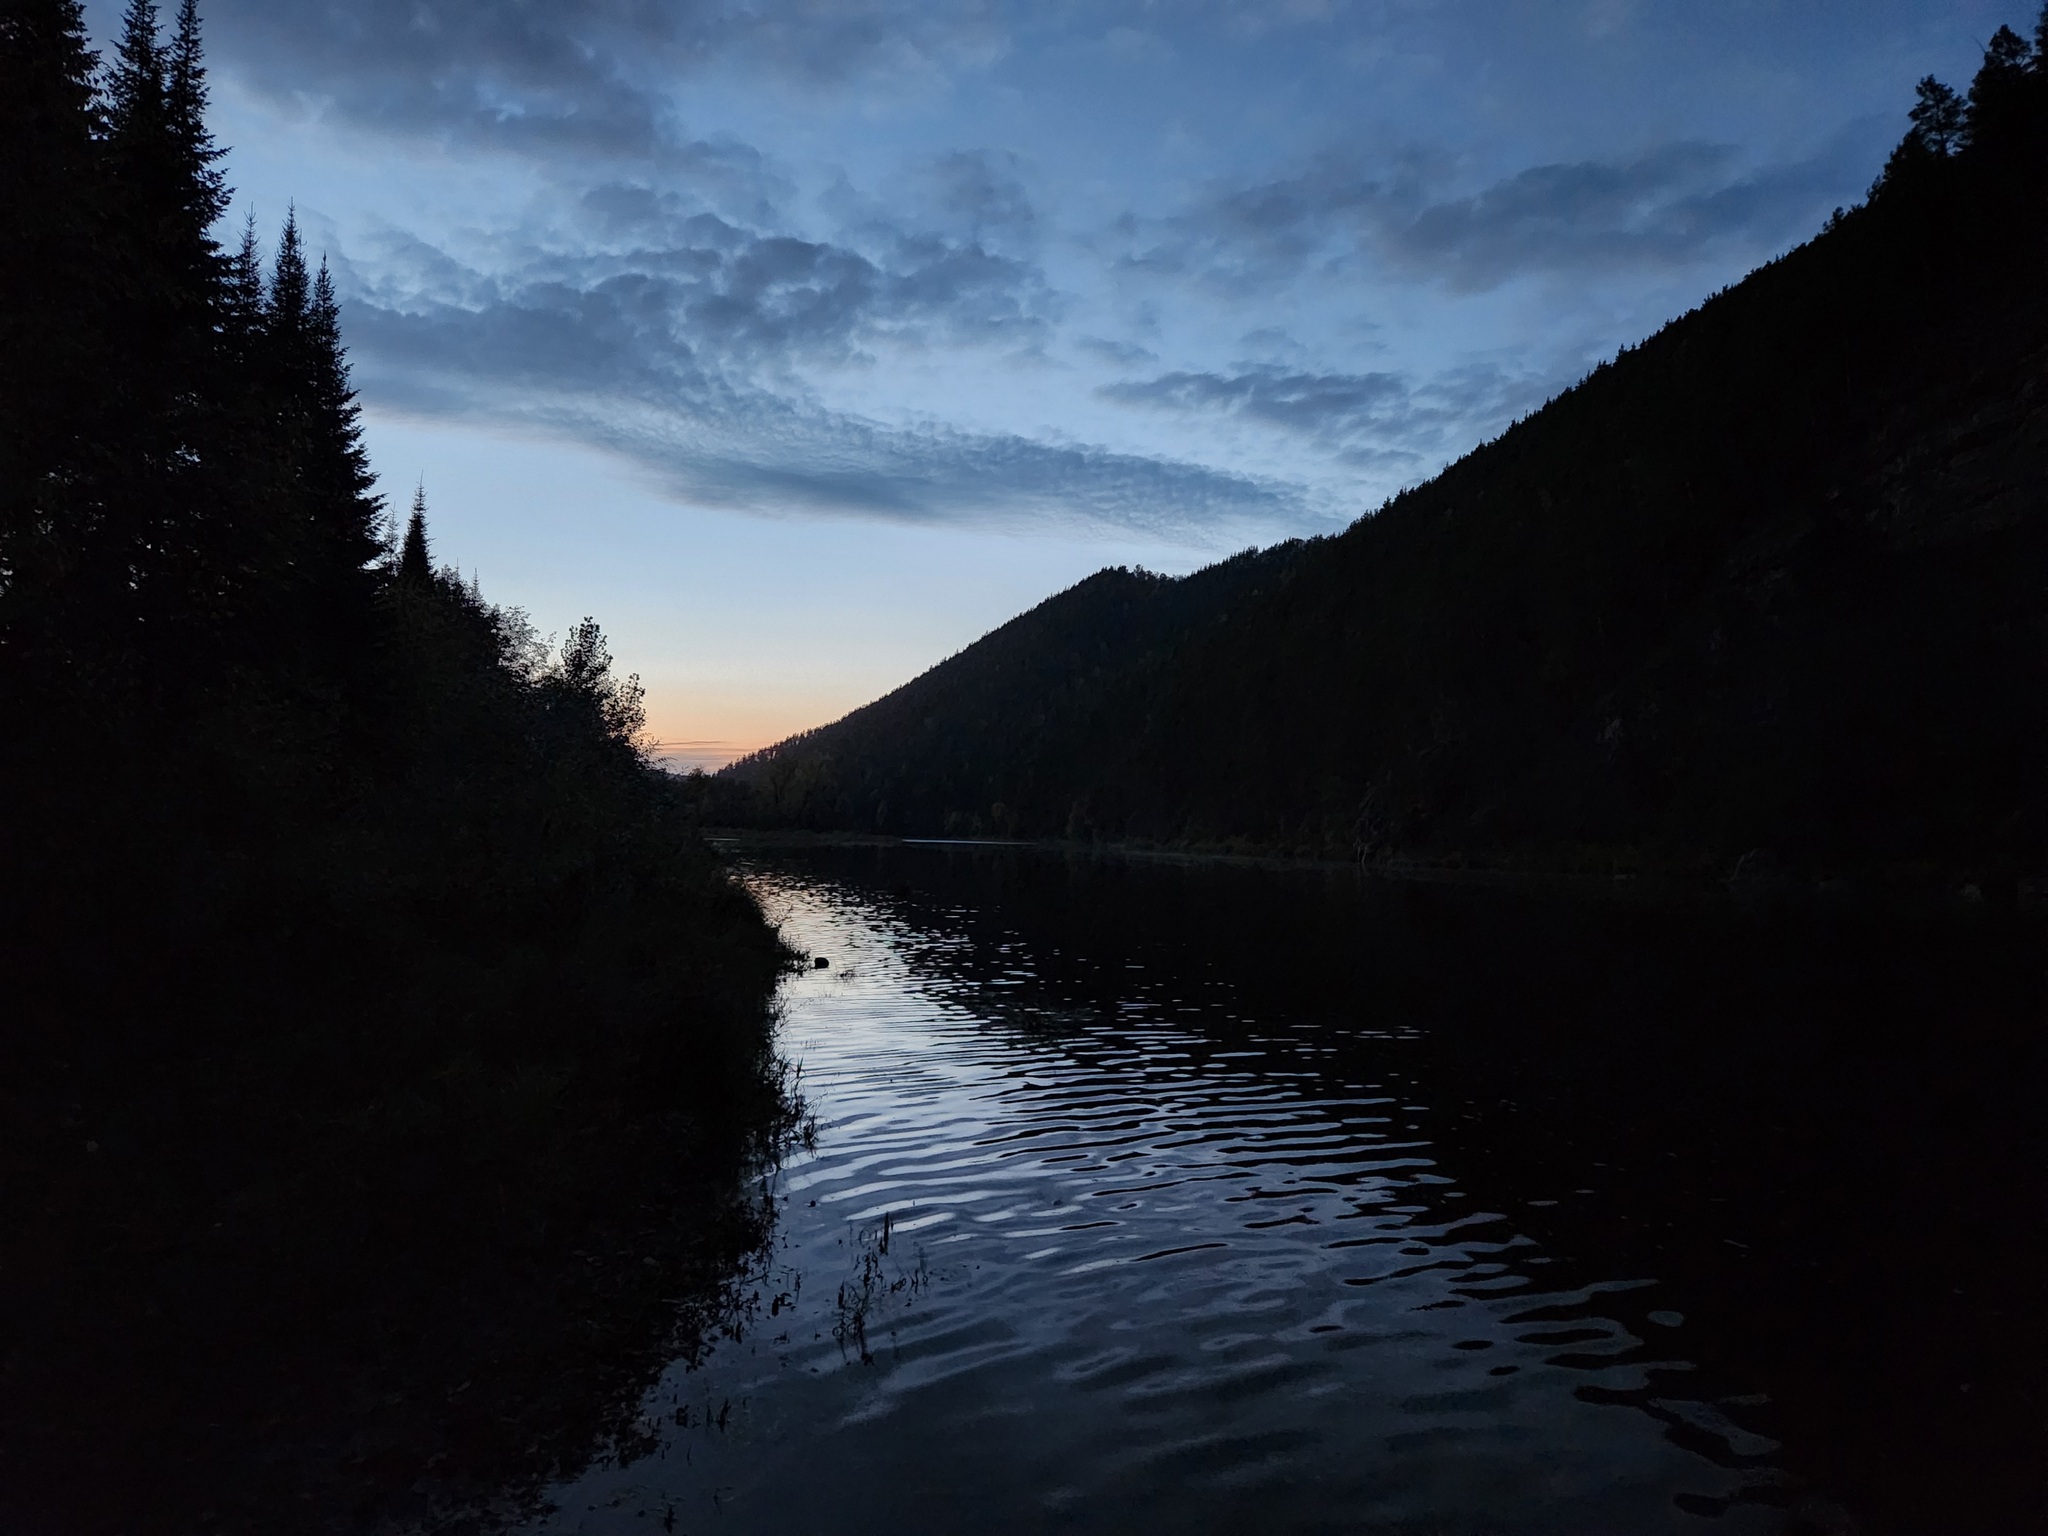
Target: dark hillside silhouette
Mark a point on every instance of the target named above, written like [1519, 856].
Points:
[996, 728]
[358, 968]
[1765, 588]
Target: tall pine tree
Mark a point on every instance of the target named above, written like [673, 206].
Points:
[415, 562]
[53, 357]
[160, 570]
[1998, 95]
[326, 519]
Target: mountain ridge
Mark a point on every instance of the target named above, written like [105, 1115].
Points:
[1767, 585]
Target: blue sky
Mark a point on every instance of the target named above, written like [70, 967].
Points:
[803, 342]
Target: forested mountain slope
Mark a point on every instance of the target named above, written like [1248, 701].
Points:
[1077, 675]
[1771, 582]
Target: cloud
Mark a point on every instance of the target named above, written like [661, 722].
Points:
[1665, 209]
[985, 193]
[1125, 354]
[699, 176]
[661, 299]
[1298, 401]
[657, 282]
[690, 361]
[591, 76]
[691, 301]
[1668, 208]
[775, 456]
[1370, 420]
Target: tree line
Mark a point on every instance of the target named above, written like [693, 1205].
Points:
[349, 941]
[186, 487]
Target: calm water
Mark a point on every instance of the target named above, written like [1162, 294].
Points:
[1149, 1198]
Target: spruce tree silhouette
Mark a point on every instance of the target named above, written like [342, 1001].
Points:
[243, 309]
[352, 513]
[154, 568]
[327, 515]
[200, 184]
[415, 564]
[52, 331]
[2008, 105]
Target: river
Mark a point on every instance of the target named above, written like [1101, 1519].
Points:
[1187, 1198]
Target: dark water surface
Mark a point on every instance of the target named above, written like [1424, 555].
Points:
[1196, 1198]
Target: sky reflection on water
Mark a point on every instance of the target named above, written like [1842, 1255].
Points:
[1139, 1203]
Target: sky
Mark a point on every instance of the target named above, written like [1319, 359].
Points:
[802, 342]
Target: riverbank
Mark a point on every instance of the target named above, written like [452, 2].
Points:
[1589, 872]
[347, 1218]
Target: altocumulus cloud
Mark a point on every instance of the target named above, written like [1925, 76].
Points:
[729, 309]
[589, 76]
[1671, 207]
[687, 359]
[664, 307]
[1375, 420]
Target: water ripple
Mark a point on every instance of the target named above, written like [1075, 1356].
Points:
[1087, 1266]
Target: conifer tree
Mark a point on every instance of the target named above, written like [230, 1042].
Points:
[51, 344]
[135, 85]
[164, 156]
[49, 121]
[202, 183]
[328, 518]
[1938, 116]
[344, 463]
[415, 563]
[1998, 94]
[47, 106]
[166, 556]
[1939, 123]
[2007, 50]
[290, 289]
[279, 381]
[244, 290]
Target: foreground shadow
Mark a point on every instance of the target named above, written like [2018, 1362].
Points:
[210, 1332]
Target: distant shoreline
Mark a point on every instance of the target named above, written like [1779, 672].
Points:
[1929, 888]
